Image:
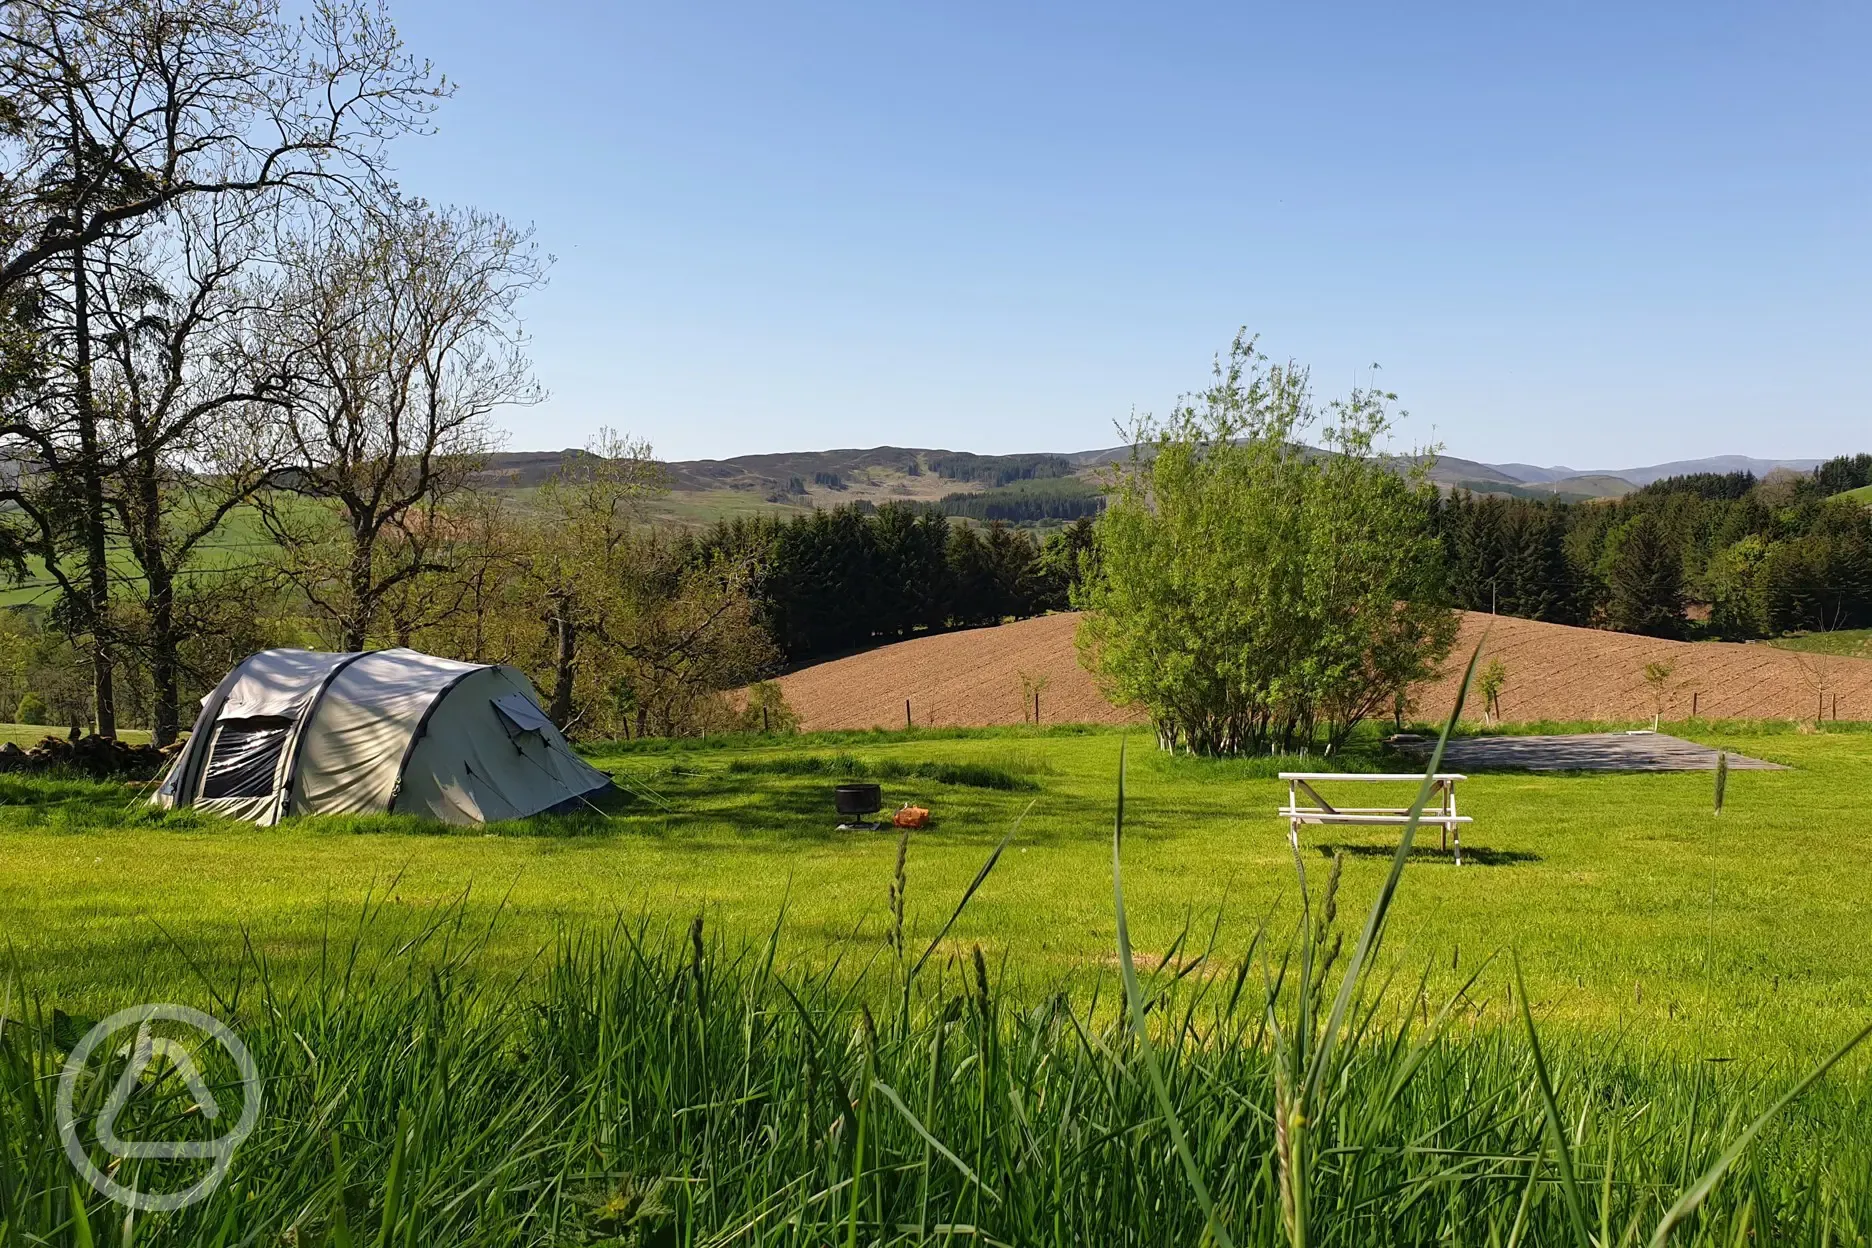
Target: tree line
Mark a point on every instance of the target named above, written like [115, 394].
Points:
[850, 577]
[1716, 555]
[1027, 502]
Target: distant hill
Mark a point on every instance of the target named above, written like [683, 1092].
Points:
[792, 482]
[1657, 472]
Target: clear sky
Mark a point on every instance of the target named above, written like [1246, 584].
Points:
[1598, 234]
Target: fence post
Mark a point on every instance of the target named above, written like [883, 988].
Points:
[907, 723]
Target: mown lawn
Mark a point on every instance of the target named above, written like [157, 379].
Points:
[1635, 912]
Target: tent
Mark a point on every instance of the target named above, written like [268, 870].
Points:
[303, 732]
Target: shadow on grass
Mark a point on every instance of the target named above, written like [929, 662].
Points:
[708, 807]
[1472, 855]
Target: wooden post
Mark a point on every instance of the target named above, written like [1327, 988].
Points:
[1694, 695]
[1037, 708]
[765, 727]
[907, 723]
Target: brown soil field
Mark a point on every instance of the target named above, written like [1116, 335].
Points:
[974, 679]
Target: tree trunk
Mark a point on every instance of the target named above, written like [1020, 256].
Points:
[356, 626]
[165, 641]
[165, 664]
[97, 570]
[565, 660]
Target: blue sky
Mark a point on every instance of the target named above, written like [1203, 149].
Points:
[1592, 234]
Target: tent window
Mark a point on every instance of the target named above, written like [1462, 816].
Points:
[521, 714]
[245, 757]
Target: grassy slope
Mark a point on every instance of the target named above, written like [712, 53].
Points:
[240, 542]
[1629, 904]
[1853, 642]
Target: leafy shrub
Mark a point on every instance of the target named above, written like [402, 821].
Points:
[767, 711]
[1253, 594]
[32, 710]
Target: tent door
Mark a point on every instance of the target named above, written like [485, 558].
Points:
[243, 760]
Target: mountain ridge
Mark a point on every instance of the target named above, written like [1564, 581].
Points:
[777, 471]
[794, 483]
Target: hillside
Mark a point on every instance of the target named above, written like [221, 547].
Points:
[1555, 672]
[795, 482]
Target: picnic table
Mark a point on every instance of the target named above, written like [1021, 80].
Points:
[1439, 809]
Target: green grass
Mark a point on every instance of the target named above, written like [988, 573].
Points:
[1634, 911]
[28, 735]
[1852, 642]
[240, 543]
[643, 1086]
[1861, 495]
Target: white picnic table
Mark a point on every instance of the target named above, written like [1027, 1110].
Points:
[1439, 809]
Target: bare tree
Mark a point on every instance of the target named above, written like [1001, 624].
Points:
[583, 550]
[410, 342]
[120, 111]
[181, 372]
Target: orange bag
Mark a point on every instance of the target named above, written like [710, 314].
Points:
[911, 817]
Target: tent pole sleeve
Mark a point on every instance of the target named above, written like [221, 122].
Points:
[283, 791]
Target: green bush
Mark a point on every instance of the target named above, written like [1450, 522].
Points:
[767, 711]
[1254, 594]
[32, 710]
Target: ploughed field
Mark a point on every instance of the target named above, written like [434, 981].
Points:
[1556, 673]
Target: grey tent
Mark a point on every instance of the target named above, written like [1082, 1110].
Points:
[303, 732]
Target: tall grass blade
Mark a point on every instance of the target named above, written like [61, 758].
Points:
[1556, 1125]
[916, 1125]
[1134, 998]
[1373, 931]
[1699, 1192]
[976, 883]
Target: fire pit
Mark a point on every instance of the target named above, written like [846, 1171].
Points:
[856, 800]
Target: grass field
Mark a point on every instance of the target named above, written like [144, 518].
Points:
[1634, 911]
[28, 735]
[240, 543]
[1852, 642]
[515, 1035]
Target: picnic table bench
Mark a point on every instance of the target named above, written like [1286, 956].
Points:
[1439, 809]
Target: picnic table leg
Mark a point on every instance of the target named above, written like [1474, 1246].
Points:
[1443, 799]
[1293, 824]
[1454, 829]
